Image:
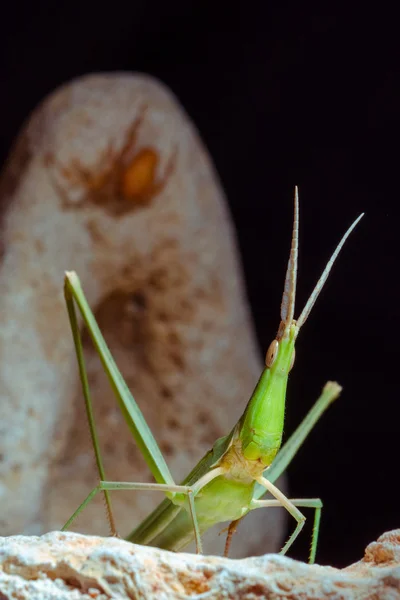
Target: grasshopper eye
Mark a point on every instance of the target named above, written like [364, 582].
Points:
[292, 361]
[272, 353]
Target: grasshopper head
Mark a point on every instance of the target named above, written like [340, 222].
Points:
[289, 327]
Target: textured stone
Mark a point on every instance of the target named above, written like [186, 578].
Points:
[71, 566]
[109, 178]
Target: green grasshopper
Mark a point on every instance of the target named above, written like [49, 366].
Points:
[241, 467]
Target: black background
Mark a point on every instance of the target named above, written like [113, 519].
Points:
[304, 94]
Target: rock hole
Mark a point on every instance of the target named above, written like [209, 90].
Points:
[139, 301]
[166, 448]
[202, 418]
[177, 360]
[158, 280]
[166, 393]
[73, 582]
[207, 325]
[109, 448]
[132, 453]
[173, 338]
[173, 424]
[185, 305]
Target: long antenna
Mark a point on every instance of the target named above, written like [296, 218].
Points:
[289, 290]
[322, 280]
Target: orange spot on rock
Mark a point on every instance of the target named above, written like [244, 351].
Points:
[139, 177]
[120, 181]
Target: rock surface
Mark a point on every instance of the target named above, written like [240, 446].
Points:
[109, 178]
[71, 566]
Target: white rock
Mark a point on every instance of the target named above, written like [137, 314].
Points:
[67, 566]
[159, 266]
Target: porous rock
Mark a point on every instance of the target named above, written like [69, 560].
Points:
[72, 566]
[109, 178]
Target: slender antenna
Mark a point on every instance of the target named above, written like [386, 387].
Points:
[322, 280]
[289, 290]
